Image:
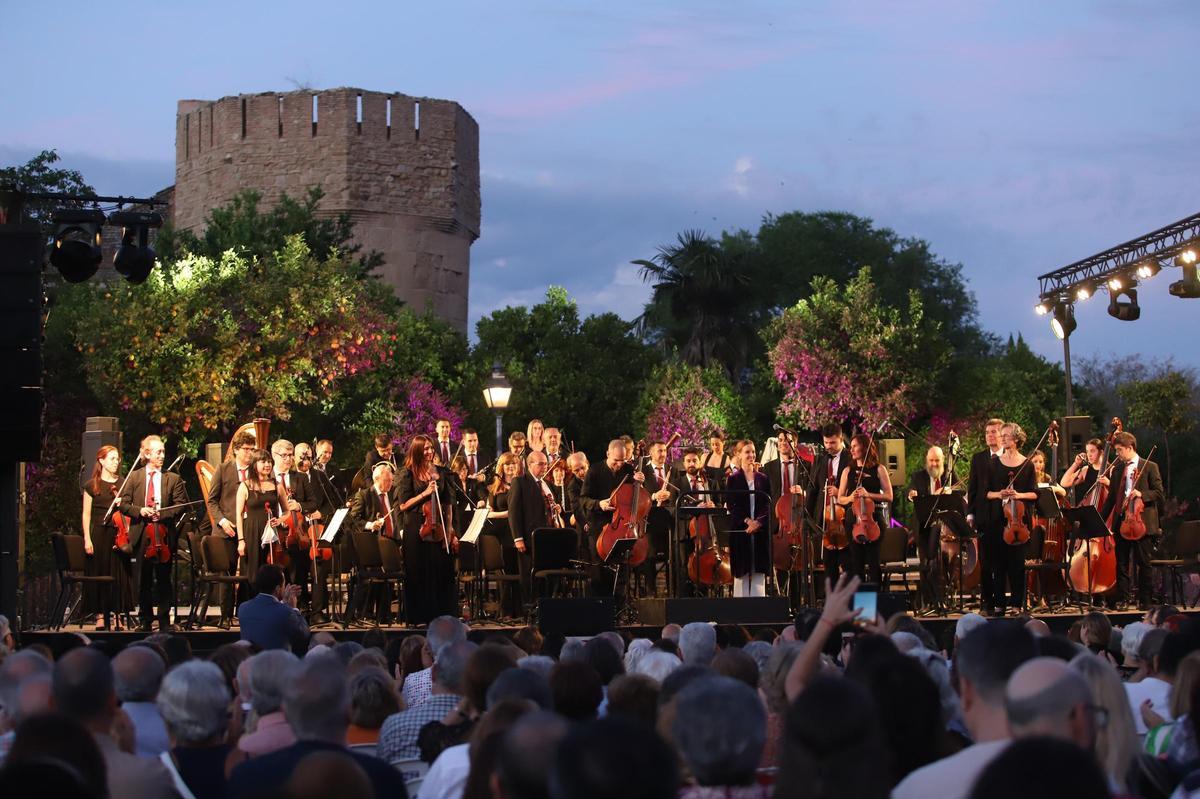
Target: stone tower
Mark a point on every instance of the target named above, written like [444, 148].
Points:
[405, 168]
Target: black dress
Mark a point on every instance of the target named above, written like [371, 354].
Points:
[105, 560]
[1004, 563]
[253, 525]
[865, 557]
[429, 586]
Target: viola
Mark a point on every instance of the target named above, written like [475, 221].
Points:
[708, 564]
[1016, 532]
[866, 529]
[631, 505]
[834, 523]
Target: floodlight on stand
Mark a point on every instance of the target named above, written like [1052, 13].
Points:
[1148, 269]
[135, 257]
[76, 250]
[1063, 324]
[1123, 303]
[1044, 307]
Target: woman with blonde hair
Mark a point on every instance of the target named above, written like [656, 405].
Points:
[533, 436]
[1116, 739]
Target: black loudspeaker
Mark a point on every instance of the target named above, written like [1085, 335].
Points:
[21, 297]
[1074, 432]
[891, 455]
[98, 432]
[723, 610]
[586, 616]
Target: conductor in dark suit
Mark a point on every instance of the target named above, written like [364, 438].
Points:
[146, 491]
[1148, 487]
[222, 506]
[270, 620]
[530, 505]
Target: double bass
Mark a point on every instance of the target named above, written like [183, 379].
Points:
[1094, 561]
[631, 505]
[1045, 583]
[709, 563]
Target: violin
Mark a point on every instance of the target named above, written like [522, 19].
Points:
[121, 540]
[433, 522]
[866, 529]
[1133, 525]
[631, 504]
[318, 549]
[708, 564]
[1016, 532]
[833, 522]
[157, 546]
[297, 530]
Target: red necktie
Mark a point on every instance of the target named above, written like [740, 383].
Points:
[471, 458]
[241, 475]
[150, 498]
[937, 485]
[446, 453]
[658, 475]
[786, 467]
[830, 469]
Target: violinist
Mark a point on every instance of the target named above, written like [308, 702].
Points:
[1084, 470]
[518, 446]
[382, 451]
[476, 484]
[599, 483]
[660, 517]
[865, 478]
[749, 518]
[463, 500]
[99, 542]
[1037, 460]
[508, 469]
[554, 451]
[534, 433]
[1008, 479]
[577, 469]
[322, 463]
[222, 502]
[295, 496]
[256, 508]
[691, 480]
[376, 509]
[324, 494]
[531, 505]
[715, 462]
[429, 586]
[148, 490]
[928, 482]
[446, 447]
[824, 478]
[1121, 492]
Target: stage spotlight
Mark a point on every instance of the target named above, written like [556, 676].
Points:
[1148, 269]
[1063, 324]
[1084, 291]
[135, 258]
[1187, 258]
[1127, 310]
[1116, 283]
[76, 252]
[1042, 308]
[1189, 287]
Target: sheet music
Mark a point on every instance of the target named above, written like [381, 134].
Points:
[335, 524]
[476, 526]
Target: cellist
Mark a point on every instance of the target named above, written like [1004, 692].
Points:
[1008, 478]
[1149, 488]
[599, 483]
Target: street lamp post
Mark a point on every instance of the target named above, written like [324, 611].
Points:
[496, 393]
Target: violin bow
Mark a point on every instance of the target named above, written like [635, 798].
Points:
[117, 498]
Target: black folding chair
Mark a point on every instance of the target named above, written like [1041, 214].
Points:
[493, 567]
[369, 567]
[554, 550]
[70, 560]
[1182, 557]
[217, 570]
[392, 558]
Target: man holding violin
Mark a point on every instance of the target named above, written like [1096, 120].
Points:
[300, 506]
[324, 494]
[1123, 498]
[823, 481]
[152, 501]
[222, 508]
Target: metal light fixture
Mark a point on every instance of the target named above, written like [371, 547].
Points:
[1123, 302]
[135, 258]
[496, 393]
[1148, 269]
[76, 251]
[1063, 324]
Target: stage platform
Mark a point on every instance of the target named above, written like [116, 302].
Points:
[208, 638]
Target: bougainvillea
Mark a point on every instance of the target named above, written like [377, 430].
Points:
[419, 406]
[843, 356]
[693, 402]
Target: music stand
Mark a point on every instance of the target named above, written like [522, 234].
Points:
[1047, 504]
[1087, 524]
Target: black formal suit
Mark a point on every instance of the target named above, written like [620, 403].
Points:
[1150, 483]
[685, 546]
[299, 485]
[326, 496]
[797, 476]
[154, 576]
[527, 512]
[333, 478]
[977, 485]
[222, 504]
[836, 560]
[660, 518]
[367, 505]
[445, 450]
[363, 477]
[598, 485]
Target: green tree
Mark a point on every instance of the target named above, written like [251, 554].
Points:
[39, 175]
[583, 376]
[1166, 403]
[685, 399]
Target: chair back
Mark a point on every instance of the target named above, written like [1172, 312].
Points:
[554, 548]
[411, 770]
[62, 561]
[1187, 540]
[216, 557]
[69, 555]
[893, 545]
[492, 553]
[390, 555]
[366, 550]
[196, 548]
[468, 558]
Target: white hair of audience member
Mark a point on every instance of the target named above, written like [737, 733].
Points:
[638, 648]
[905, 642]
[443, 631]
[760, 651]
[966, 623]
[939, 671]
[572, 650]
[657, 664]
[270, 672]
[317, 651]
[539, 664]
[194, 702]
[1131, 639]
[698, 643]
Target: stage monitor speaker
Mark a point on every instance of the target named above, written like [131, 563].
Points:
[585, 616]
[891, 455]
[214, 453]
[722, 610]
[98, 431]
[1074, 432]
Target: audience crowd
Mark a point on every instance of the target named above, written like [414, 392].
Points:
[830, 706]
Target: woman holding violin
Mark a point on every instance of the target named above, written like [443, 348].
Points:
[863, 486]
[429, 539]
[257, 503]
[100, 533]
[749, 522]
[508, 469]
[1135, 496]
[1011, 493]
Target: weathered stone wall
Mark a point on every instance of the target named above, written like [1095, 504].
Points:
[411, 184]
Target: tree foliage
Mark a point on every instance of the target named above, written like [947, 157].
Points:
[39, 175]
[1166, 403]
[694, 402]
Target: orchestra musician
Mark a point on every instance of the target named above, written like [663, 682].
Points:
[1006, 562]
[429, 585]
[716, 460]
[866, 477]
[152, 496]
[323, 464]
[1084, 470]
[324, 494]
[383, 450]
[222, 502]
[577, 466]
[463, 499]
[599, 483]
[256, 508]
[531, 505]
[554, 451]
[533, 436]
[660, 518]
[928, 482]
[692, 479]
[518, 446]
[1121, 487]
[99, 543]
[749, 518]
[375, 509]
[824, 478]
[476, 486]
[508, 469]
[978, 479]
[1037, 462]
[295, 494]
[446, 447]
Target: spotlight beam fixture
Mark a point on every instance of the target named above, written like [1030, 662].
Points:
[135, 259]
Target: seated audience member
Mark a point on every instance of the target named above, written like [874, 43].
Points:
[671, 632]
[373, 697]
[719, 730]
[486, 664]
[774, 696]
[271, 620]
[53, 756]
[737, 664]
[138, 671]
[324, 774]
[831, 732]
[1038, 767]
[268, 677]
[1046, 697]
[1116, 741]
[465, 769]
[658, 665]
[398, 735]
[613, 757]
[1096, 634]
[1161, 652]
[316, 703]
[984, 660]
[16, 668]
[83, 690]
[194, 703]
[443, 631]
[634, 696]
[1176, 739]
[577, 690]
[527, 754]
[698, 643]
[1131, 638]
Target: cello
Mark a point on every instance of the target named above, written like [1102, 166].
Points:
[631, 504]
[1133, 523]
[1094, 561]
[708, 563]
